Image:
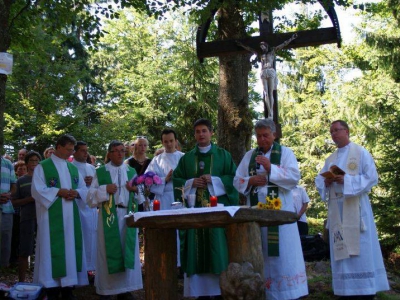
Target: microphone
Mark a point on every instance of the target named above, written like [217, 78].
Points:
[201, 167]
[260, 152]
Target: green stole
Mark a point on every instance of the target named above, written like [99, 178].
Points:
[112, 240]
[56, 224]
[273, 192]
[203, 195]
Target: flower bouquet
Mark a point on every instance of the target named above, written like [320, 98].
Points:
[144, 183]
[274, 203]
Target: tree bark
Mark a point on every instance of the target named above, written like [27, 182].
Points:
[161, 264]
[248, 236]
[234, 118]
[5, 41]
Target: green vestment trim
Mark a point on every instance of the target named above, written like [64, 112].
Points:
[205, 250]
[273, 192]
[112, 239]
[56, 224]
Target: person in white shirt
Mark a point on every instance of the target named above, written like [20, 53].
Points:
[88, 214]
[300, 201]
[163, 165]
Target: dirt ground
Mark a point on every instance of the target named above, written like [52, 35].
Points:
[318, 275]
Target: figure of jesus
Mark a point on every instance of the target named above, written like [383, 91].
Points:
[268, 73]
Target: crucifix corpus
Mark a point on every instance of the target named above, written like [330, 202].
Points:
[268, 76]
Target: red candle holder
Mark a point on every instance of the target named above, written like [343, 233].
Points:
[213, 201]
[156, 205]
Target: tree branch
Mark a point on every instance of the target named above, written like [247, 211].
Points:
[28, 3]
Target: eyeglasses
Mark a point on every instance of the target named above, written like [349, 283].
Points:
[336, 130]
[118, 151]
[141, 137]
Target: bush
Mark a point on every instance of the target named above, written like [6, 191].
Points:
[315, 226]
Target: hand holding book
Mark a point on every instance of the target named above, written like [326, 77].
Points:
[333, 172]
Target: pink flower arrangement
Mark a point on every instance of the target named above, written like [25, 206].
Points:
[145, 181]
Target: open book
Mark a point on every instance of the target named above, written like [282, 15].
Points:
[332, 172]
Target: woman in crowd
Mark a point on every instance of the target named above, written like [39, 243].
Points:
[22, 198]
[139, 161]
[48, 152]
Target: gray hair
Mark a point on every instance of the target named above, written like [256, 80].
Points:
[266, 123]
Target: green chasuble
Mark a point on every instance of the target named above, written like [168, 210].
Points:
[117, 258]
[205, 250]
[56, 224]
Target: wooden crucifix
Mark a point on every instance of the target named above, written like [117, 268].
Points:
[265, 45]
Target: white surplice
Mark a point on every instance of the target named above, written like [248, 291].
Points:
[44, 197]
[161, 165]
[285, 275]
[362, 274]
[131, 279]
[88, 219]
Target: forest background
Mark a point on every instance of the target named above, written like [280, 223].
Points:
[127, 74]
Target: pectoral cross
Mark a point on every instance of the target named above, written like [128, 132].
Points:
[273, 194]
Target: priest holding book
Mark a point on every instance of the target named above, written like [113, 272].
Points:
[356, 258]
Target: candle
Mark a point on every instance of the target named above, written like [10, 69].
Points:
[156, 205]
[213, 200]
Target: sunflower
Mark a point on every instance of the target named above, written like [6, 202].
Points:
[269, 205]
[276, 203]
[260, 205]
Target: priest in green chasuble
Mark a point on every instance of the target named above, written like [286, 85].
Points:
[207, 170]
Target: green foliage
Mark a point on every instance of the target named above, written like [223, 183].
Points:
[152, 79]
[315, 225]
[359, 85]
[50, 92]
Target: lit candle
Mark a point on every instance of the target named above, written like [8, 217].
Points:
[156, 205]
[213, 200]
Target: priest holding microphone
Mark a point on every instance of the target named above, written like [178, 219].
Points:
[205, 171]
[270, 172]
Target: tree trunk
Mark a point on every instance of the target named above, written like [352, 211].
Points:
[5, 40]
[234, 118]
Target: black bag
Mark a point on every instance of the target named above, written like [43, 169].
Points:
[314, 247]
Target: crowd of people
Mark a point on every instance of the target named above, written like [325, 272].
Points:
[70, 213]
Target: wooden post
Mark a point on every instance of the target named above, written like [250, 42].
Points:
[160, 264]
[244, 245]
